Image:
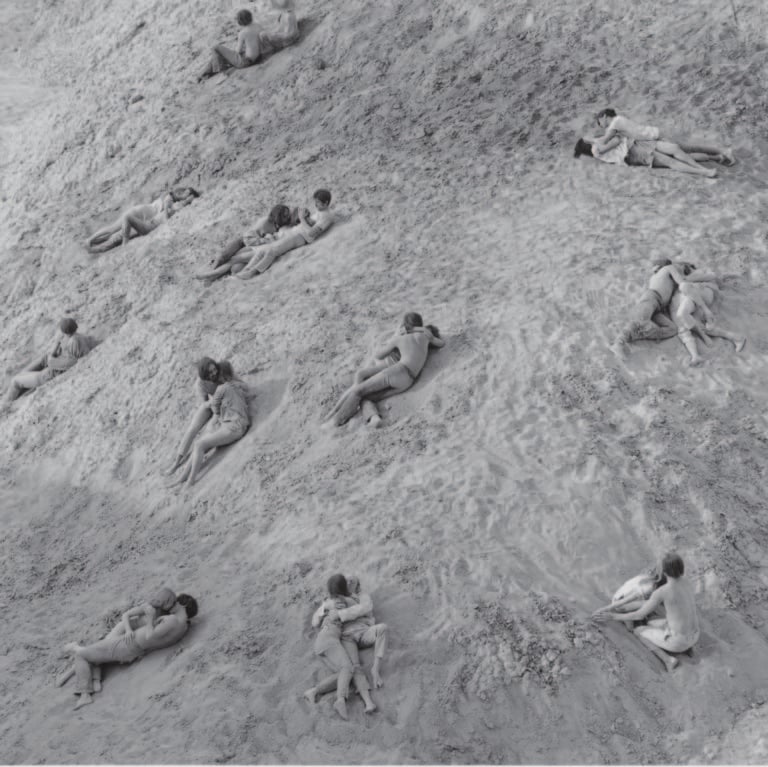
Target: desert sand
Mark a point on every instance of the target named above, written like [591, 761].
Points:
[525, 476]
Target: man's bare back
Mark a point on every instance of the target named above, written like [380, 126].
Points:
[414, 348]
[167, 631]
[677, 597]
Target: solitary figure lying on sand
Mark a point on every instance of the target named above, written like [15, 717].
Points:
[398, 365]
[359, 631]
[141, 219]
[676, 633]
[333, 651]
[121, 646]
[266, 230]
[67, 348]
[648, 320]
[207, 383]
[258, 259]
[229, 404]
[145, 614]
[690, 309]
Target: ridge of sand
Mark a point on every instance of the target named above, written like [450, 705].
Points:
[522, 479]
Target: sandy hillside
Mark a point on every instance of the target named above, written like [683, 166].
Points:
[527, 474]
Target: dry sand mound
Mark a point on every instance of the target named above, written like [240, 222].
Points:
[523, 478]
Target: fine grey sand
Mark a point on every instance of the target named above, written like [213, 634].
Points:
[526, 475]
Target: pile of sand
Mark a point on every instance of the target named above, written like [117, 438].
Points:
[523, 478]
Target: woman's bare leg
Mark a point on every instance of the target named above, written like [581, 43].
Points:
[378, 385]
[199, 419]
[708, 151]
[665, 161]
[219, 438]
[229, 251]
[371, 414]
[103, 234]
[676, 151]
[265, 255]
[689, 342]
[242, 257]
[718, 332]
[138, 224]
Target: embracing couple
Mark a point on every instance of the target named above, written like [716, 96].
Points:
[346, 625]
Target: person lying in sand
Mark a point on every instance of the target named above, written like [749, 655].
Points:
[328, 645]
[650, 154]
[140, 219]
[207, 383]
[67, 348]
[145, 614]
[614, 124]
[282, 27]
[246, 54]
[229, 404]
[401, 360]
[676, 633]
[126, 647]
[690, 309]
[359, 631]
[648, 320]
[260, 258]
[267, 229]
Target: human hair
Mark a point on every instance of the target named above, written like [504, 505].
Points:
[337, 586]
[687, 267]
[672, 565]
[180, 193]
[202, 367]
[413, 320]
[189, 604]
[280, 215]
[226, 371]
[68, 326]
[433, 330]
[606, 113]
[244, 17]
[322, 195]
[582, 147]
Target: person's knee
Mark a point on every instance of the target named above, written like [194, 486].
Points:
[381, 629]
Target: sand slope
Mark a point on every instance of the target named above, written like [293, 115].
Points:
[522, 479]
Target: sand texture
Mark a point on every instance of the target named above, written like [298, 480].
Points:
[526, 475]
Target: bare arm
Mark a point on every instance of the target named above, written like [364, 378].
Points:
[387, 348]
[602, 145]
[241, 43]
[364, 607]
[648, 607]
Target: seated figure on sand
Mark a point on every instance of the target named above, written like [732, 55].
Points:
[679, 630]
[144, 614]
[67, 348]
[690, 309]
[258, 259]
[618, 147]
[631, 595]
[280, 28]
[207, 382]
[648, 320]
[334, 652]
[359, 631]
[229, 403]
[139, 220]
[398, 364]
[614, 124]
[267, 229]
[246, 54]
[121, 646]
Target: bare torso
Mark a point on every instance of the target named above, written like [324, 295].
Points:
[413, 348]
[149, 638]
[677, 595]
[663, 283]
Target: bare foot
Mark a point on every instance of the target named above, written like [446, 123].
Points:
[85, 699]
[374, 421]
[370, 707]
[728, 158]
[341, 708]
[63, 678]
[377, 680]
[97, 685]
[712, 173]
[672, 664]
[695, 362]
[311, 695]
[740, 344]
[70, 648]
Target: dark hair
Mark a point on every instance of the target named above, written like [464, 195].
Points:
[582, 147]
[179, 192]
[280, 215]
[433, 330]
[413, 319]
[337, 586]
[672, 565]
[202, 367]
[68, 326]
[322, 195]
[688, 267]
[189, 604]
[606, 113]
[226, 371]
[244, 17]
